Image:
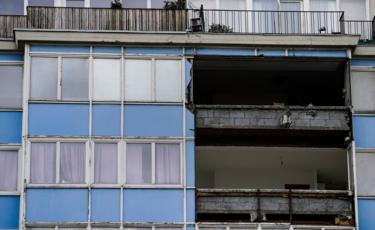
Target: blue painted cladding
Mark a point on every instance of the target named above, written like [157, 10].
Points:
[153, 50]
[225, 52]
[189, 124]
[59, 119]
[363, 62]
[105, 205]
[107, 49]
[364, 131]
[9, 212]
[106, 120]
[190, 164]
[366, 212]
[190, 201]
[271, 53]
[60, 49]
[153, 205]
[11, 57]
[56, 205]
[11, 127]
[317, 53]
[153, 120]
[190, 228]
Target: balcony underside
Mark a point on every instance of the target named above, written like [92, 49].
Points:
[266, 205]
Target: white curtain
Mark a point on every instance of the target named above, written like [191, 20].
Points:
[72, 163]
[43, 163]
[8, 170]
[105, 164]
[320, 20]
[266, 21]
[138, 163]
[167, 157]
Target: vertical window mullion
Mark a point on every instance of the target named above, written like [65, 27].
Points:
[153, 163]
[121, 162]
[59, 77]
[57, 162]
[153, 80]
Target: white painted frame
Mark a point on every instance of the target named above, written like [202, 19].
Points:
[18, 150]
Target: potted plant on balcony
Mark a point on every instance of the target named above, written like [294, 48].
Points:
[175, 5]
[116, 4]
[218, 28]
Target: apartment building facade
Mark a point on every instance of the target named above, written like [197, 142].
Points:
[224, 114]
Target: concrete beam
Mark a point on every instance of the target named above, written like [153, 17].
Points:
[184, 39]
[364, 50]
[8, 45]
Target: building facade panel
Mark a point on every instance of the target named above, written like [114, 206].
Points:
[9, 209]
[106, 120]
[105, 205]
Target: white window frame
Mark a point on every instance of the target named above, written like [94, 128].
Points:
[153, 164]
[59, 58]
[17, 148]
[153, 77]
[57, 166]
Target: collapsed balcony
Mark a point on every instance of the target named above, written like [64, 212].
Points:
[270, 102]
[274, 184]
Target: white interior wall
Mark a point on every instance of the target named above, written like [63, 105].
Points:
[269, 167]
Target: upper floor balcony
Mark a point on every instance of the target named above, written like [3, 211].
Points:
[187, 20]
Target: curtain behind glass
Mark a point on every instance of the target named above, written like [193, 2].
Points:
[43, 163]
[8, 170]
[138, 164]
[167, 158]
[72, 163]
[105, 164]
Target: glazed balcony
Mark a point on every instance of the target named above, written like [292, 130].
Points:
[161, 20]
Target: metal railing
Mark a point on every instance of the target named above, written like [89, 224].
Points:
[161, 20]
[272, 22]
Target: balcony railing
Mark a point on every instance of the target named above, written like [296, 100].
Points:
[161, 20]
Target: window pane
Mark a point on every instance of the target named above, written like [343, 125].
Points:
[233, 4]
[266, 5]
[322, 5]
[363, 91]
[365, 174]
[11, 7]
[168, 80]
[105, 164]
[75, 78]
[138, 163]
[11, 86]
[167, 157]
[134, 4]
[41, 3]
[75, 3]
[137, 80]
[107, 79]
[8, 170]
[354, 9]
[43, 78]
[72, 163]
[100, 3]
[43, 163]
[207, 4]
[157, 3]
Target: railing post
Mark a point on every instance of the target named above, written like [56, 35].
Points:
[342, 23]
[201, 16]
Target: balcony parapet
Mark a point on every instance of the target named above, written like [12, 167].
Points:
[272, 117]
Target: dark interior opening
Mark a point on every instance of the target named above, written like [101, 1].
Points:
[230, 81]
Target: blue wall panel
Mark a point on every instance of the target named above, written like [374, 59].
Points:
[366, 212]
[59, 119]
[153, 120]
[271, 52]
[9, 212]
[190, 201]
[107, 49]
[225, 52]
[190, 126]
[10, 127]
[157, 205]
[317, 53]
[363, 62]
[190, 164]
[106, 120]
[364, 131]
[11, 57]
[60, 48]
[153, 50]
[56, 205]
[105, 205]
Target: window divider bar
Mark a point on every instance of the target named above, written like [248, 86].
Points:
[153, 163]
[57, 176]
